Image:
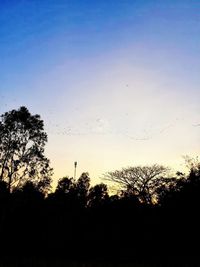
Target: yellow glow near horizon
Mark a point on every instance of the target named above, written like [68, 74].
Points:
[129, 119]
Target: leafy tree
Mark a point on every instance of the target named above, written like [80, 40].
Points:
[187, 189]
[98, 194]
[170, 188]
[82, 188]
[184, 190]
[142, 181]
[65, 185]
[73, 193]
[22, 142]
[65, 194]
[193, 164]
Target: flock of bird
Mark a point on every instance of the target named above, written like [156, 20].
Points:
[98, 127]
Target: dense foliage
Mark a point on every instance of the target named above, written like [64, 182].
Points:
[22, 142]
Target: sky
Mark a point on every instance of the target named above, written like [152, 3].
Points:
[116, 81]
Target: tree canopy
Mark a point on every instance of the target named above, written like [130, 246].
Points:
[142, 181]
[22, 142]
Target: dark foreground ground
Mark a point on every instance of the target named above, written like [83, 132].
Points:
[143, 262]
[62, 230]
[58, 263]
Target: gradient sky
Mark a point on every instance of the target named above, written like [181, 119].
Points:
[117, 82]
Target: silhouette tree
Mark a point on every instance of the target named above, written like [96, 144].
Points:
[142, 181]
[22, 142]
[98, 194]
[82, 189]
[188, 188]
[65, 193]
[191, 163]
[73, 193]
[184, 189]
[65, 185]
[169, 188]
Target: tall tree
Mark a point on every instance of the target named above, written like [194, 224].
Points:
[22, 142]
[82, 188]
[142, 181]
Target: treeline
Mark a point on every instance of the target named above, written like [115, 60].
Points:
[154, 216]
[78, 221]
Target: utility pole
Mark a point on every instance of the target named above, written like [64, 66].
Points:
[75, 165]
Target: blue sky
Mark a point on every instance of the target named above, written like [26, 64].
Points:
[116, 81]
